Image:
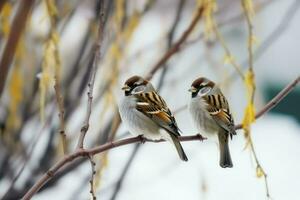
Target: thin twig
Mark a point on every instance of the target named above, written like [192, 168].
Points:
[177, 46]
[31, 149]
[277, 32]
[97, 56]
[274, 35]
[228, 54]
[250, 45]
[2, 3]
[259, 168]
[110, 145]
[170, 39]
[60, 103]
[18, 25]
[57, 85]
[92, 190]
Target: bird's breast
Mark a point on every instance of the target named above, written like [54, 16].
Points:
[136, 122]
[202, 119]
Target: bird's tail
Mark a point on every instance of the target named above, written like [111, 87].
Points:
[225, 158]
[179, 148]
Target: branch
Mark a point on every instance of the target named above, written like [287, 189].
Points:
[90, 152]
[97, 56]
[271, 104]
[177, 46]
[18, 25]
[170, 39]
[57, 61]
[92, 180]
[61, 114]
[277, 32]
[228, 54]
[2, 4]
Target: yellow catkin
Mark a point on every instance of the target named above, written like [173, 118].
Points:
[120, 12]
[210, 6]
[249, 116]
[132, 24]
[15, 86]
[5, 18]
[259, 172]
[103, 165]
[51, 60]
[248, 4]
[51, 8]
[16, 95]
[228, 59]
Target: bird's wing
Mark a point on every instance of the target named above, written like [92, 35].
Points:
[218, 108]
[154, 107]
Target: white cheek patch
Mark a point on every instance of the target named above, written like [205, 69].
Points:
[138, 89]
[204, 91]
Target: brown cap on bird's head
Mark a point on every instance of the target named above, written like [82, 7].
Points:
[201, 82]
[134, 81]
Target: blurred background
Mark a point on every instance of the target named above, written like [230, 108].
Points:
[57, 43]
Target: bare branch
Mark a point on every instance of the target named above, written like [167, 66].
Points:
[177, 46]
[60, 102]
[228, 54]
[92, 190]
[273, 102]
[2, 4]
[18, 25]
[87, 152]
[57, 85]
[97, 56]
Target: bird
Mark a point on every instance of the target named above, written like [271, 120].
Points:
[210, 112]
[146, 114]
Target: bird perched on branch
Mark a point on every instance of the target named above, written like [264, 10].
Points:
[210, 111]
[145, 113]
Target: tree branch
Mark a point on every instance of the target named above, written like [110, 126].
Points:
[177, 46]
[272, 103]
[97, 56]
[18, 25]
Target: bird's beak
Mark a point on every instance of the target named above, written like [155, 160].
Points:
[126, 88]
[192, 89]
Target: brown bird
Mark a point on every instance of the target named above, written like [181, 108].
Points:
[145, 113]
[210, 111]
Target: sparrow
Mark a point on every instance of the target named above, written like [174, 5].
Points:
[211, 114]
[145, 113]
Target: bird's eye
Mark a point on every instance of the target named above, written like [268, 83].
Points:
[204, 90]
[138, 89]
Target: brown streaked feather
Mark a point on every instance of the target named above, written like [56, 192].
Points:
[218, 108]
[165, 117]
[154, 107]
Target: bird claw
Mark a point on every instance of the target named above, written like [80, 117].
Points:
[142, 139]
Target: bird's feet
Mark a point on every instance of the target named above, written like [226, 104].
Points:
[142, 139]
